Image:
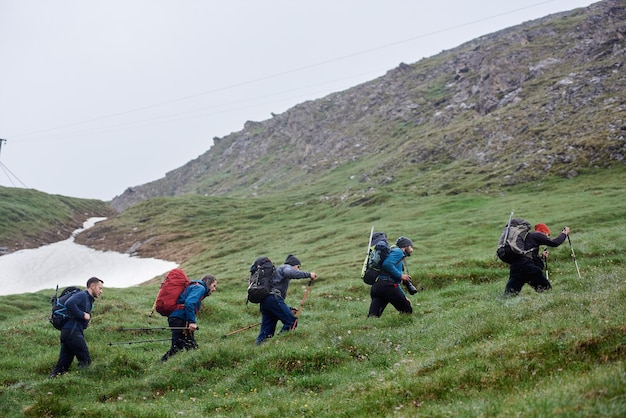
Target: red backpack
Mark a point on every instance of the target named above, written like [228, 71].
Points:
[174, 285]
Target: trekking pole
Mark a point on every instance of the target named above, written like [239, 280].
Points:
[137, 342]
[367, 253]
[306, 292]
[241, 329]
[152, 328]
[546, 262]
[574, 255]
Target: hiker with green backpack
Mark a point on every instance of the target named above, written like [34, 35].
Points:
[527, 268]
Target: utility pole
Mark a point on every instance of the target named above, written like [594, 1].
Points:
[2, 141]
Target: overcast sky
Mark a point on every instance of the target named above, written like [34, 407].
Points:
[100, 95]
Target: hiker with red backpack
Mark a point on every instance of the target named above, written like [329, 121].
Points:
[182, 320]
[528, 268]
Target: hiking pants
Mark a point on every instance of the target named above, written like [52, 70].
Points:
[383, 292]
[73, 344]
[182, 339]
[525, 272]
[274, 308]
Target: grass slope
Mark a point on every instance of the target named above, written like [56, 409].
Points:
[465, 352]
[29, 218]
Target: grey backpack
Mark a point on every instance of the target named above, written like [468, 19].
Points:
[511, 245]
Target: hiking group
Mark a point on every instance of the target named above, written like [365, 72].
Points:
[384, 269]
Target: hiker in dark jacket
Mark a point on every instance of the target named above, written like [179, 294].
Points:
[273, 307]
[529, 269]
[387, 288]
[73, 343]
[183, 322]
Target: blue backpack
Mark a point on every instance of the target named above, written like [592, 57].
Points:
[60, 314]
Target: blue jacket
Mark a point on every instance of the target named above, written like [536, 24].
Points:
[192, 298]
[284, 273]
[392, 265]
[77, 305]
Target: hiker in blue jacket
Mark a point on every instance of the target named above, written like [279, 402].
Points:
[73, 343]
[183, 321]
[273, 307]
[387, 288]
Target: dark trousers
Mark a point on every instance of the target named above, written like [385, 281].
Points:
[525, 272]
[273, 308]
[182, 339]
[384, 292]
[73, 344]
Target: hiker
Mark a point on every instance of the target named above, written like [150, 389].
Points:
[273, 306]
[183, 321]
[73, 343]
[387, 287]
[529, 269]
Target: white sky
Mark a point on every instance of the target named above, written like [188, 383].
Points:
[100, 95]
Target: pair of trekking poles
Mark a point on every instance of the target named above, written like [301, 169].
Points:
[297, 314]
[152, 340]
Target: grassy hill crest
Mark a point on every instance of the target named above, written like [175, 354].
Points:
[542, 99]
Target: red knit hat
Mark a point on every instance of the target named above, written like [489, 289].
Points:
[542, 228]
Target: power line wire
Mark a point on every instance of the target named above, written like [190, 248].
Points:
[7, 172]
[283, 73]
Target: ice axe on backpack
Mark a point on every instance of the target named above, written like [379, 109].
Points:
[367, 253]
[306, 292]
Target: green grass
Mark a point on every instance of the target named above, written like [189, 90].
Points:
[465, 351]
[29, 218]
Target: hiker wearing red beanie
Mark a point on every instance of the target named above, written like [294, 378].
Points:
[529, 269]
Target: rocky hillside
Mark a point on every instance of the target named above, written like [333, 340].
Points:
[544, 98]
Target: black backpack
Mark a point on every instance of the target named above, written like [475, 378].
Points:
[379, 250]
[511, 245]
[261, 279]
[60, 315]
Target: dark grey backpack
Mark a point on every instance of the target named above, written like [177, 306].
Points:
[60, 314]
[261, 279]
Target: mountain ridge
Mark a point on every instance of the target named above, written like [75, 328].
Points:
[539, 99]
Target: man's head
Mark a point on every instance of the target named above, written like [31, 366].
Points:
[211, 283]
[94, 287]
[543, 228]
[405, 244]
[292, 260]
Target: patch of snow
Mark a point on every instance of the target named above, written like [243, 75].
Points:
[66, 263]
